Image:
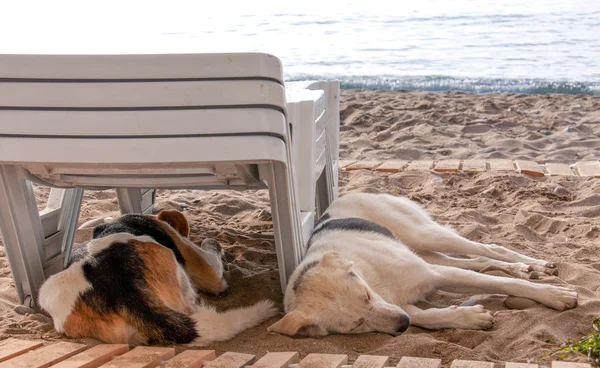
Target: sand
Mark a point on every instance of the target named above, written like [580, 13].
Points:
[557, 219]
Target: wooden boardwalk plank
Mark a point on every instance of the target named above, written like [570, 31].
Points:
[190, 359]
[392, 166]
[420, 165]
[141, 357]
[410, 362]
[556, 169]
[471, 364]
[363, 165]
[45, 356]
[11, 348]
[343, 164]
[501, 165]
[589, 168]
[94, 357]
[277, 360]
[447, 166]
[370, 361]
[472, 166]
[520, 365]
[557, 364]
[323, 361]
[231, 360]
[529, 168]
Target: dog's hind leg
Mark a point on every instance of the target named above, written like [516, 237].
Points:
[469, 318]
[456, 280]
[433, 237]
[481, 264]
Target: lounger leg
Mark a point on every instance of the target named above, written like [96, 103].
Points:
[286, 222]
[72, 206]
[22, 233]
[135, 200]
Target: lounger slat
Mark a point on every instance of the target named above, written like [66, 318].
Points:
[117, 95]
[520, 365]
[557, 169]
[501, 165]
[529, 168]
[190, 359]
[420, 165]
[94, 357]
[165, 66]
[231, 360]
[141, 357]
[474, 166]
[589, 168]
[323, 361]
[471, 364]
[11, 348]
[410, 362]
[557, 364]
[45, 356]
[370, 361]
[447, 166]
[277, 360]
[392, 166]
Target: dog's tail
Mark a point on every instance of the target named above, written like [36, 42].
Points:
[213, 326]
[95, 222]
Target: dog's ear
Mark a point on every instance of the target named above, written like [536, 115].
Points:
[333, 259]
[296, 323]
[177, 220]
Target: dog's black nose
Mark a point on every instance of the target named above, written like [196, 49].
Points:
[223, 293]
[403, 324]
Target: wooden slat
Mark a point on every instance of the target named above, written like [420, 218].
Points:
[231, 360]
[370, 361]
[363, 165]
[343, 164]
[277, 360]
[410, 362]
[557, 364]
[190, 359]
[520, 365]
[471, 364]
[447, 166]
[323, 361]
[141, 357]
[474, 166]
[45, 356]
[94, 357]
[501, 165]
[557, 169]
[529, 167]
[392, 166]
[11, 348]
[589, 168]
[420, 165]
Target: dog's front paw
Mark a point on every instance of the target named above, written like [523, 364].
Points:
[473, 318]
[558, 297]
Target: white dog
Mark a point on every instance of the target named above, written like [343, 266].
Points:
[359, 274]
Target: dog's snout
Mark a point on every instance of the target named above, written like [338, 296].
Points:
[403, 323]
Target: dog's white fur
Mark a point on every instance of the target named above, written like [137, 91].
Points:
[356, 281]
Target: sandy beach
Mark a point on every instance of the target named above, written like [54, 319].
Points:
[552, 218]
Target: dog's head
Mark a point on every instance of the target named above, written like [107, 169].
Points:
[171, 229]
[330, 297]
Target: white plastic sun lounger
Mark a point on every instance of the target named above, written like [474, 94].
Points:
[133, 122]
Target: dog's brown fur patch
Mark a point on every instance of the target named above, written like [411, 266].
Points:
[177, 220]
[202, 275]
